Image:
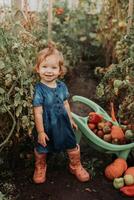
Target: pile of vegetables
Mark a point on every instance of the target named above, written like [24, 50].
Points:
[122, 176]
[109, 132]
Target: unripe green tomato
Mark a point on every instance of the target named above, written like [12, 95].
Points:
[129, 179]
[118, 183]
[129, 134]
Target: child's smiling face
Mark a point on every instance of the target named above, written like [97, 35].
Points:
[49, 69]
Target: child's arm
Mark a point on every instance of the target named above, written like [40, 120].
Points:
[42, 136]
[67, 107]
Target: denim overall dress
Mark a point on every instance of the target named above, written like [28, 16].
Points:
[55, 118]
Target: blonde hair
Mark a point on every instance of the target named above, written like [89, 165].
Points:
[51, 50]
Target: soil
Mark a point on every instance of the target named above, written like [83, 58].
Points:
[17, 184]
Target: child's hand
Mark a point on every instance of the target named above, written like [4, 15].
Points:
[42, 138]
[74, 125]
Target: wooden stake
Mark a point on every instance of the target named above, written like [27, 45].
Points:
[50, 9]
[130, 15]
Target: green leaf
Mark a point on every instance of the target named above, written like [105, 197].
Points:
[25, 121]
[17, 99]
[22, 61]
[2, 91]
[19, 110]
[2, 64]
[100, 90]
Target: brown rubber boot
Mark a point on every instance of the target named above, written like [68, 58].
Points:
[40, 167]
[75, 165]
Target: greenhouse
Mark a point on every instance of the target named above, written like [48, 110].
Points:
[66, 99]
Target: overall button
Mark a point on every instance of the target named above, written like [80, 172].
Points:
[55, 92]
[59, 111]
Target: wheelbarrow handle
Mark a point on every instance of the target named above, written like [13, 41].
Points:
[94, 106]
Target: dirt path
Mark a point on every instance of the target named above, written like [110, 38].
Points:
[61, 185]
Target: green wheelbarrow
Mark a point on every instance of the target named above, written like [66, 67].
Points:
[93, 140]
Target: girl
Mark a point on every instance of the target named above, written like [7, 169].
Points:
[54, 125]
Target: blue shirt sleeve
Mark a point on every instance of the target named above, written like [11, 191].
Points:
[37, 97]
[65, 92]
